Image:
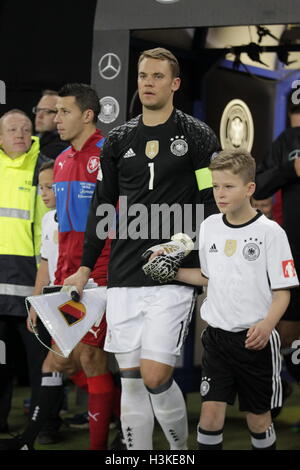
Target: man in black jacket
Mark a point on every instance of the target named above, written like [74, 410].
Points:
[281, 170]
[50, 143]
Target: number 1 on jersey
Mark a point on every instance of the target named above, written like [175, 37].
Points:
[151, 166]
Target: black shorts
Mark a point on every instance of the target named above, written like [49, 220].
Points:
[293, 311]
[230, 370]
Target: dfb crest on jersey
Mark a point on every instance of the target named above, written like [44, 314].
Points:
[179, 146]
[236, 127]
[230, 247]
[93, 164]
[72, 312]
[205, 386]
[152, 148]
[251, 251]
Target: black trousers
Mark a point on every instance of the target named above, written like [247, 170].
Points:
[13, 330]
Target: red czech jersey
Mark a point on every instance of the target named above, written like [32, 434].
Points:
[75, 175]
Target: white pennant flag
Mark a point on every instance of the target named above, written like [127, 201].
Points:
[68, 321]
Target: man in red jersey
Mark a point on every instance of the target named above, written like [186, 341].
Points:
[75, 174]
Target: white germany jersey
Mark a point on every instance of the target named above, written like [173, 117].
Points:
[243, 263]
[49, 246]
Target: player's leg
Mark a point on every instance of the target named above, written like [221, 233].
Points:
[124, 315]
[260, 391]
[262, 431]
[101, 389]
[137, 417]
[167, 401]
[49, 393]
[217, 387]
[168, 313]
[211, 424]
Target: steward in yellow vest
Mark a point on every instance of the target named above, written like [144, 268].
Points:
[21, 211]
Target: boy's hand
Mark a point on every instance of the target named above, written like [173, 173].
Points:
[155, 254]
[31, 320]
[163, 261]
[179, 243]
[258, 335]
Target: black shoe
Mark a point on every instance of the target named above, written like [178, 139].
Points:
[50, 432]
[47, 437]
[15, 443]
[79, 421]
[118, 443]
[4, 429]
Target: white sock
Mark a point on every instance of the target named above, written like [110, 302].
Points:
[170, 411]
[137, 417]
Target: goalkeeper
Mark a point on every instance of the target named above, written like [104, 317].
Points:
[158, 158]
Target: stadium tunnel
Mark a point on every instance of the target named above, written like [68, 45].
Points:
[242, 99]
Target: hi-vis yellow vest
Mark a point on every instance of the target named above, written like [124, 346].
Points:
[21, 211]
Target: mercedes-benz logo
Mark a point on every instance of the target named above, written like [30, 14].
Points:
[109, 66]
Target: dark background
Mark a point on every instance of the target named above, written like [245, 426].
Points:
[43, 44]
[47, 44]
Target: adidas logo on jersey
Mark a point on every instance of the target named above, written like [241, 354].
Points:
[130, 153]
[213, 248]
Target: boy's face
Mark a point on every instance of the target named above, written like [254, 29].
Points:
[47, 193]
[231, 193]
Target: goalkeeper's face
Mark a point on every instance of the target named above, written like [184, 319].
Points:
[156, 84]
[231, 193]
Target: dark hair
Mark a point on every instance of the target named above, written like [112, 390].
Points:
[160, 53]
[240, 162]
[85, 96]
[47, 166]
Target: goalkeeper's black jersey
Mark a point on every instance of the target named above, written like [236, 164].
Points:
[142, 168]
[277, 171]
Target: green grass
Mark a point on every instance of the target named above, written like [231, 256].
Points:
[236, 436]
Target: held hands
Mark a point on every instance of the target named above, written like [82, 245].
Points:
[164, 260]
[258, 335]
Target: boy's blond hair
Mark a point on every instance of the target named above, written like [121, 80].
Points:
[239, 162]
[160, 53]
